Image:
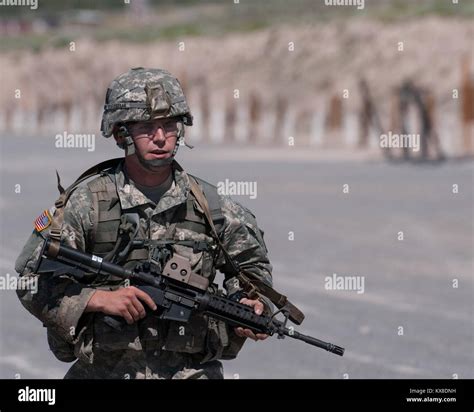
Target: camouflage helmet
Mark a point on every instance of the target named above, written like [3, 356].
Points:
[143, 94]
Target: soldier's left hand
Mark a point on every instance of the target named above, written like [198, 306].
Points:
[247, 333]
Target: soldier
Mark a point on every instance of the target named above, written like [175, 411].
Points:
[146, 195]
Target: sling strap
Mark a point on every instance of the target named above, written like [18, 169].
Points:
[252, 285]
[58, 217]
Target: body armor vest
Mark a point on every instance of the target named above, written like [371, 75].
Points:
[106, 234]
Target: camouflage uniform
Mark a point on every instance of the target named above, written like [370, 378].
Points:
[149, 348]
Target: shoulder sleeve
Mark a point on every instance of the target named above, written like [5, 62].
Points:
[243, 239]
[58, 302]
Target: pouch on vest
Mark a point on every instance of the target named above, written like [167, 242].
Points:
[187, 337]
[107, 336]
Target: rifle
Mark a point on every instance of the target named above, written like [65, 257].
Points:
[176, 291]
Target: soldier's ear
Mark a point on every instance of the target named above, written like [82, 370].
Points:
[119, 139]
[120, 133]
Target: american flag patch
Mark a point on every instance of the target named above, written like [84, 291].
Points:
[43, 220]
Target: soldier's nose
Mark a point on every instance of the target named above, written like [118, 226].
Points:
[159, 136]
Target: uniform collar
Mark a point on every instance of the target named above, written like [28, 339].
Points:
[130, 196]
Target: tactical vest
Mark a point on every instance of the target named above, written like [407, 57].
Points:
[203, 197]
[201, 213]
[107, 223]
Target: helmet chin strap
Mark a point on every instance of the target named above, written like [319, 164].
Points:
[150, 164]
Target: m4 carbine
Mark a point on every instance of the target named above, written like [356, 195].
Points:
[176, 291]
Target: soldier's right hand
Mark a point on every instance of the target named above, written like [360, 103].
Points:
[125, 302]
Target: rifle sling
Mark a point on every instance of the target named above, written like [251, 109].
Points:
[253, 284]
[58, 218]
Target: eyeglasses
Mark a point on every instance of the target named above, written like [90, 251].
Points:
[149, 129]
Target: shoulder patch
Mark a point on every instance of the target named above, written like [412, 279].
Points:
[44, 219]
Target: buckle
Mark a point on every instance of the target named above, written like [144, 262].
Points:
[55, 233]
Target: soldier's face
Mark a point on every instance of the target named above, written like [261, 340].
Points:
[155, 139]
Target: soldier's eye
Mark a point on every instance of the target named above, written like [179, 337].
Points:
[170, 127]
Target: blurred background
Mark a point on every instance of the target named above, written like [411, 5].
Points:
[296, 97]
